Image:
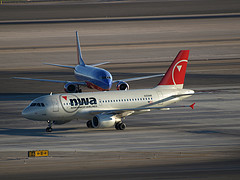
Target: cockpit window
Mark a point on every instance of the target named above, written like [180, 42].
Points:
[38, 104]
[106, 77]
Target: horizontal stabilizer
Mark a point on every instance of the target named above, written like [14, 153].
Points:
[59, 65]
[99, 64]
[192, 105]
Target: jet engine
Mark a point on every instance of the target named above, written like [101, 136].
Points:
[71, 88]
[121, 85]
[106, 121]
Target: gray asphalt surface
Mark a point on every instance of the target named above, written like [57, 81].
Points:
[97, 9]
[177, 144]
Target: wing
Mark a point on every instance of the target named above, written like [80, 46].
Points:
[50, 80]
[59, 65]
[148, 107]
[128, 112]
[139, 78]
[99, 64]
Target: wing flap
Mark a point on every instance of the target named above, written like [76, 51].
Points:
[125, 112]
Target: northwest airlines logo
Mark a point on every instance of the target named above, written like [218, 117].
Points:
[83, 101]
[179, 67]
[178, 72]
[71, 103]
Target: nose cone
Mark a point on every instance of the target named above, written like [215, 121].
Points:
[108, 84]
[28, 113]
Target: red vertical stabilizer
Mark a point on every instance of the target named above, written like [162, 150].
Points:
[175, 75]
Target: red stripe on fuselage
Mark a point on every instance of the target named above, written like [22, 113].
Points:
[94, 86]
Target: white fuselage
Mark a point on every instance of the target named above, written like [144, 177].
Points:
[66, 107]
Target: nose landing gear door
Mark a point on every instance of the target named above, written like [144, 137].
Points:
[55, 105]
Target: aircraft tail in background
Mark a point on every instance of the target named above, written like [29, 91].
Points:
[79, 53]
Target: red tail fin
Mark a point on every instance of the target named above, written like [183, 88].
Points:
[175, 75]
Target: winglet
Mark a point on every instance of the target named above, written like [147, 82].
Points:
[192, 105]
[79, 54]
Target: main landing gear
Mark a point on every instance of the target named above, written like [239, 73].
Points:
[120, 126]
[89, 124]
[49, 128]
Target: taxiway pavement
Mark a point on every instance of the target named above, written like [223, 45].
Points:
[177, 144]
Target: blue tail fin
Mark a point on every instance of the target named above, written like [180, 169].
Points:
[79, 54]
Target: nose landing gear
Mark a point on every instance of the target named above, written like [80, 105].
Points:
[49, 128]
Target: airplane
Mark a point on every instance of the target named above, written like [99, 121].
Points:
[109, 108]
[90, 76]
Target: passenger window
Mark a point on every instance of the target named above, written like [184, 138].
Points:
[42, 105]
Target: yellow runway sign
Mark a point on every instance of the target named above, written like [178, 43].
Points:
[38, 153]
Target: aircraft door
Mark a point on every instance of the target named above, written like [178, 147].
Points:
[55, 105]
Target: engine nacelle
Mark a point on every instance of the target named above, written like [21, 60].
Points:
[71, 88]
[121, 85]
[104, 121]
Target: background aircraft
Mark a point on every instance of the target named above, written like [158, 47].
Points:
[90, 76]
[107, 109]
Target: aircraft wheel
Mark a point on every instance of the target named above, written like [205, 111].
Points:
[48, 129]
[120, 126]
[89, 124]
[79, 90]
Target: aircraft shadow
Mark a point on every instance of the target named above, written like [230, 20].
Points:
[36, 132]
